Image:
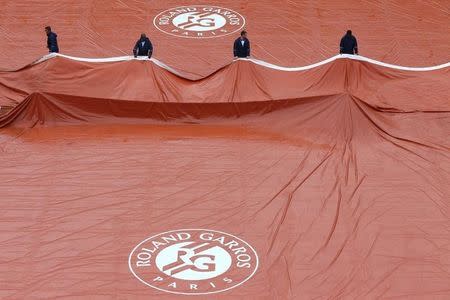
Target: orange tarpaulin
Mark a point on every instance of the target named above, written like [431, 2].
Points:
[137, 179]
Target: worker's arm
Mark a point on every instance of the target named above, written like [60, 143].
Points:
[248, 50]
[150, 50]
[356, 46]
[135, 49]
[235, 49]
[341, 46]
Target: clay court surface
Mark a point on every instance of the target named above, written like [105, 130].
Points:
[296, 174]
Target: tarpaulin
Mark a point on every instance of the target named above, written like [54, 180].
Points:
[127, 178]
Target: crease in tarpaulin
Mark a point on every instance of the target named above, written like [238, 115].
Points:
[69, 109]
[288, 203]
[258, 82]
[338, 186]
[359, 103]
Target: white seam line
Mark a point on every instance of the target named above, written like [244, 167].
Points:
[253, 60]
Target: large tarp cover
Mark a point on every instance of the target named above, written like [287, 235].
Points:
[190, 177]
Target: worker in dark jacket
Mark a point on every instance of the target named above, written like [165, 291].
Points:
[242, 46]
[143, 47]
[349, 45]
[52, 40]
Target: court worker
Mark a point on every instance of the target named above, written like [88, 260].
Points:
[349, 44]
[241, 48]
[52, 40]
[143, 47]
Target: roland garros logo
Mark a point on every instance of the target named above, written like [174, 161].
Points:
[199, 21]
[193, 261]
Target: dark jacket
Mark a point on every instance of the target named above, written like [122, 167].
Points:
[143, 47]
[239, 50]
[52, 42]
[349, 45]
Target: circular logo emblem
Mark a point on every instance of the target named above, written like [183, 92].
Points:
[199, 21]
[193, 261]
